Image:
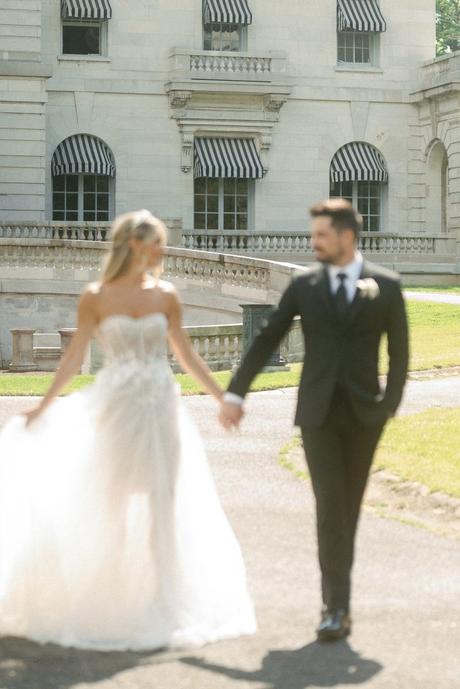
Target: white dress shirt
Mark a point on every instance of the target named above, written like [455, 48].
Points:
[353, 271]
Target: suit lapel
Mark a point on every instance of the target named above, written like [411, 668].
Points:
[324, 291]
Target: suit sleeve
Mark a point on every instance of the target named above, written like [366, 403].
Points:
[265, 342]
[398, 351]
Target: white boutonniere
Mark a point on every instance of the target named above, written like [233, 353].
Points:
[368, 288]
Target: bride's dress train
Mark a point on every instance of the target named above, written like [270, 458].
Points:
[111, 531]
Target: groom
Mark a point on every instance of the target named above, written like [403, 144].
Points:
[346, 304]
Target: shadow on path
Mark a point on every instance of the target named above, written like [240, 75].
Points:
[314, 665]
[28, 665]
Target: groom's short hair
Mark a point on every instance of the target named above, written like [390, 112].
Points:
[342, 214]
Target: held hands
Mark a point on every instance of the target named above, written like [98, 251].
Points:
[230, 415]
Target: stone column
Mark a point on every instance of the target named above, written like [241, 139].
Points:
[23, 350]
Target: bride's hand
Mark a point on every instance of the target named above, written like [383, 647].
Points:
[230, 415]
[32, 414]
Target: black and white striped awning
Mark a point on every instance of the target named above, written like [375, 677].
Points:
[86, 9]
[360, 15]
[358, 162]
[226, 11]
[83, 153]
[227, 158]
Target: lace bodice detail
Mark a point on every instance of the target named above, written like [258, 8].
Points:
[124, 339]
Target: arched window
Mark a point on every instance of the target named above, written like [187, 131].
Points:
[437, 188]
[358, 173]
[83, 170]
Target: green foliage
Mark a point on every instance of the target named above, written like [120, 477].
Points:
[447, 26]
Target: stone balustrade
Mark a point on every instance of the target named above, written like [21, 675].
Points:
[440, 73]
[76, 231]
[220, 346]
[187, 65]
[243, 66]
[201, 266]
[282, 243]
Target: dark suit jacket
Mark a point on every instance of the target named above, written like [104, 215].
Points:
[337, 352]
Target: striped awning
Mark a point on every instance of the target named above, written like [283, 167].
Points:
[358, 162]
[82, 153]
[226, 11]
[360, 15]
[86, 9]
[227, 158]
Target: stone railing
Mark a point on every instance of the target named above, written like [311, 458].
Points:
[218, 63]
[77, 231]
[202, 266]
[220, 346]
[281, 243]
[253, 243]
[239, 66]
[442, 71]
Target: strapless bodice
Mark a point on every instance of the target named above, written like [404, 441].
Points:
[125, 339]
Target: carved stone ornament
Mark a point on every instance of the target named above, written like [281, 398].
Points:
[274, 102]
[179, 99]
[187, 152]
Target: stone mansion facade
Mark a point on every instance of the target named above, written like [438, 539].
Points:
[228, 117]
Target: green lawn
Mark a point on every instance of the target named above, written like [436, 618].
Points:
[435, 343]
[421, 447]
[21, 385]
[452, 289]
[424, 448]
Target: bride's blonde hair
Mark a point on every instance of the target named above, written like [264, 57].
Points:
[141, 225]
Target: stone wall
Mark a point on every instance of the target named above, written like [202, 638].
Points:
[22, 112]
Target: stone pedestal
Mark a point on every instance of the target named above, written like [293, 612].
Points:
[23, 350]
[254, 316]
[66, 335]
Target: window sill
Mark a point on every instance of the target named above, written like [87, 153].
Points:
[351, 67]
[83, 58]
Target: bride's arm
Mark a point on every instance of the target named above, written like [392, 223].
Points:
[182, 347]
[72, 360]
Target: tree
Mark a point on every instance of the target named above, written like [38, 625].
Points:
[447, 26]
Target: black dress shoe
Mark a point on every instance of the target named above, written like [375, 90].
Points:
[334, 625]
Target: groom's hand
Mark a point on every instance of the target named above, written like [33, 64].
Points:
[231, 414]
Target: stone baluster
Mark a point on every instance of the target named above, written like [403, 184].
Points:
[23, 350]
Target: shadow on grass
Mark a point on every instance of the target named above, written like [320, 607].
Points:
[313, 665]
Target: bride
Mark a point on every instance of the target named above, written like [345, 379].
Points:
[112, 536]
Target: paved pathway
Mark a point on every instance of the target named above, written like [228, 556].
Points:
[407, 588]
[440, 297]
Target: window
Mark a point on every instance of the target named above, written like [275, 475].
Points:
[366, 197]
[223, 36]
[221, 204]
[81, 38]
[356, 47]
[81, 197]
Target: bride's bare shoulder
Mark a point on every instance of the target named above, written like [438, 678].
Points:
[90, 297]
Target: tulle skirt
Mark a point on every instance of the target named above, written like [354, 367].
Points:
[112, 536]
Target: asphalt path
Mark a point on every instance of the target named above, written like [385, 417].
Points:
[406, 584]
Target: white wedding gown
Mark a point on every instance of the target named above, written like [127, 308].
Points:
[112, 536]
